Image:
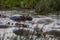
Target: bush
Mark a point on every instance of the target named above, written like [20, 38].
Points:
[41, 6]
[46, 6]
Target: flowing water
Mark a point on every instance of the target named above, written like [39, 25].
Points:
[7, 33]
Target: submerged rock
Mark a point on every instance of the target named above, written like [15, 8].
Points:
[55, 33]
[21, 25]
[43, 20]
[3, 16]
[5, 26]
[21, 32]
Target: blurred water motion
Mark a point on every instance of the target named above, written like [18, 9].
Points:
[6, 33]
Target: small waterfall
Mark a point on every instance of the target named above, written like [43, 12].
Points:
[7, 33]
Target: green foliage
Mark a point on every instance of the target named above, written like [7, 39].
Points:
[41, 6]
[19, 3]
[46, 6]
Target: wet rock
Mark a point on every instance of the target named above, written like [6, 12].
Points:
[56, 33]
[42, 20]
[29, 18]
[5, 26]
[17, 18]
[21, 18]
[3, 16]
[21, 32]
[21, 25]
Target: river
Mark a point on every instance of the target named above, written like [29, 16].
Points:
[10, 30]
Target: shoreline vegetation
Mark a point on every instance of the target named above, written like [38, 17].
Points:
[42, 7]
